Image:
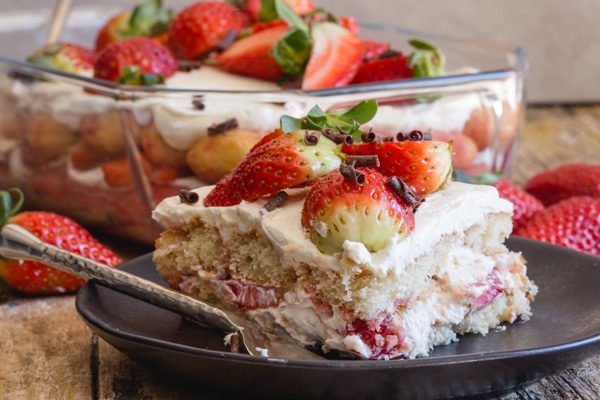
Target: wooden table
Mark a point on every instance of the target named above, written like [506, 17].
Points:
[47, 352]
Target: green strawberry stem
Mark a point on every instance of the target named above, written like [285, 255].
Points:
[7, 209]
[426, 60]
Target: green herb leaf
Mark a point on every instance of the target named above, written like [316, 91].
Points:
[348, 119]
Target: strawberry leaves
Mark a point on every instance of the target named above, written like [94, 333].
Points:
[348, 120]
[426, 60]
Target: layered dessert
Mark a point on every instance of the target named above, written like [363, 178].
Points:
[362, 248]
[75, 143]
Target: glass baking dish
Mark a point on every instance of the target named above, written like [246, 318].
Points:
[58, 131]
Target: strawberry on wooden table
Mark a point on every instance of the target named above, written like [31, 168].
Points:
[575, 179]
[368, 211]
[200, 28]
[148, 19]
[35, 278]
[573, 223]
[136, 61]
[525, 205]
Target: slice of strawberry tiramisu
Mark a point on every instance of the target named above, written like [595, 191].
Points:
[365, 247]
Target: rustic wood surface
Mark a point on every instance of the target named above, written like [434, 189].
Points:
[47, 352]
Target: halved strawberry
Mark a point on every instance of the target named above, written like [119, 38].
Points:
[66, 57]
[140, 61]
[335, 56]
[338, 209]
[251, 55]
[284, 161]
[372, 49]
[424, 165]
[200, 28]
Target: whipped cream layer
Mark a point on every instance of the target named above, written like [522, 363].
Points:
[455, 208]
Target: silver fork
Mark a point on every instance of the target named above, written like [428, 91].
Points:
[18, 243]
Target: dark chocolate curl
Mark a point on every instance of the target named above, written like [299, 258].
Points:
[198, 103]
[311, 138]
[351, 173]
[188, 197]
[222, 127]
[403, 191]
[276, 201]
[369, 137]
[363, 161]
[414, 135]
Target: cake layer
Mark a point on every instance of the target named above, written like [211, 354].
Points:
[451, 275]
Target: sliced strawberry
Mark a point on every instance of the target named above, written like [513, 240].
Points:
[382, 338]
[249, 296]
[335, 56]
[142, 61]
[424, 165]
[384, 69]
[350, 23]
[201, 27]
[66, 57]
[284, 161]
[251, 55]
[338, 209]
[494, 288]
[576, 179]
[573, 223]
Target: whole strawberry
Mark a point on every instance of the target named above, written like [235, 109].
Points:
[279, 162]
[66, 57]
[136, 61]
[201, 27]
[573, 223]
[34, 278]
[525, 205]
[368, 211]
[568, 180]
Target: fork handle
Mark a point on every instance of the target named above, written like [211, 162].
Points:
[18, 243]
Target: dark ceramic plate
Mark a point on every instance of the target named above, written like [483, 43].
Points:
[564, 330]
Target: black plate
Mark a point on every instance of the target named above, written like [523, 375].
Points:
[564, 330]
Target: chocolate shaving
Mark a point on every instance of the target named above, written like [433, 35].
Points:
[198, 103]
[341, 138]
[188, 197]
[413, 136]
[369, 137]
[222, 127]
[276, 201]
[311, 138]
[351, 173]
[389, 53]
[403, 191]
[188, 65]
[363, 161]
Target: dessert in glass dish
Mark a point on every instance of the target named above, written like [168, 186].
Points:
[105, 146]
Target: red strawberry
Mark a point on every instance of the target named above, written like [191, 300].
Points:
[201, 27]
[284, 161]
[424, 165]
[335, 56]
[350, 23]
[337, 209]
[253, 8]
[141, 61]
[384, 69]
[34, 278]
[251, 55]
[372, 49]
[573, 223]
[147, 19]
[525, 205]
[565, 181]
[66, 57]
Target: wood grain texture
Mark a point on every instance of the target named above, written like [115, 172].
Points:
[47, 351]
